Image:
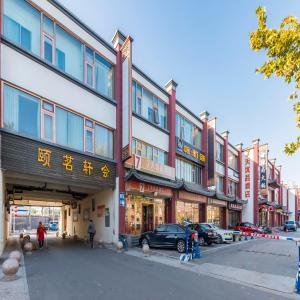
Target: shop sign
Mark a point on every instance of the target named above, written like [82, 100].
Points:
[247, 175]
[235, 206]
[147, 188]
[189, 152]
[122, 199]
[20, 154]
[263, 161]
[151, 167]
[217, 202]
[187, 196]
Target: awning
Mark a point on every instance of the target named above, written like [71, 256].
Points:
[224, 197]
[133, 174]
[197, 189]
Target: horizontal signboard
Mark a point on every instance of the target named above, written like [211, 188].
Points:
[31, 157]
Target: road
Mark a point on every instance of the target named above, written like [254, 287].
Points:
[70, 270]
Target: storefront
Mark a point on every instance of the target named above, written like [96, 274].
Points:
[234, 214]
[190, 206]
[145, 206]
[263, 215]
[278, 217]
[216, 212]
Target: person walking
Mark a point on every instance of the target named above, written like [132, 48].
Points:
[91, 232]
[40, 232]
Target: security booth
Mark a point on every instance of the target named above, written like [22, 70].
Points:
[41, 174]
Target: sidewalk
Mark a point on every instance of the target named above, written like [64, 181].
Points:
[16, 289]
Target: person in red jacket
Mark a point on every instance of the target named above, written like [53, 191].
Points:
[40, 232]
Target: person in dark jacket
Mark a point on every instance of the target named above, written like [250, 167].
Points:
[91, 232]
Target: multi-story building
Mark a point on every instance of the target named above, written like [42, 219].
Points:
[225, 178]
[269, 200]
[58, 117]
[85, 129]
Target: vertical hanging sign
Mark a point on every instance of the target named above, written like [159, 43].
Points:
[263, 167]
[247, 175]
[126, 92]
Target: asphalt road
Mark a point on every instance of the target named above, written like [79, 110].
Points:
[70, 270]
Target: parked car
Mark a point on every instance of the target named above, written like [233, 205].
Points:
[167, 236]
[222, 234]
[248, 227]
[290, 225]
[205, 233]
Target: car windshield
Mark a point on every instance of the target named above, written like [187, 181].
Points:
[290, 222]
[215, 226]
[206, 226]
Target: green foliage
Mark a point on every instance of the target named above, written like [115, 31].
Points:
[282, 48]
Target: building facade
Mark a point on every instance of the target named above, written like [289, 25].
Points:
[83, 126]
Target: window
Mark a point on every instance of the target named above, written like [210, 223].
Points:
[188, 171]
[69, 129]
[103, 141]
[89, 136]
[48, 26]
[188, 131]
[172, 228]
[48, 49]
[150, 152]
[89, 66]
[232, 188]
[48, 121]
[21, 112]
[69, 53]
[232, 160]
[220, 184]
[104, 76]
[220, 152]
[22, 25]
[187, 211]
[150, 107]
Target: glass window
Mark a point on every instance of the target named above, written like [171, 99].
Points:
[172, 228]
[48, 106]
[69, 53]
[22, 25]
[104, 76]
[89, 74]
[232, 160]
[232, 188]
[69, 129]
[188, 132]
[188, 171]
[213, 214]
[48, 25]
[89, 123]
[48, 127]
[48, 50]
[89, 55]
[21, 112]
[220, 152]
[187, 211]
[220, 184]
[103, 141]
[133, 100]
[197, 137]
[89, 140]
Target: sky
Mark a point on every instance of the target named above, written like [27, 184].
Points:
[204, 47]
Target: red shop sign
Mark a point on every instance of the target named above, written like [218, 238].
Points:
[235, 206]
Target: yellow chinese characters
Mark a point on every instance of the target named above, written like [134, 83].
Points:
[44, 156]
[105, 171]
[87, 168]
[202, 157]
[67, 163]
[186, 149]
[194, 153]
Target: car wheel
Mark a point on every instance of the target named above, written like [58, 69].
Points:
[209, 243]
[180, 246]
[219, 239]
[201, 241]
[144, 241]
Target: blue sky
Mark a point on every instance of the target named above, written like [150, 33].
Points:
[204, 46]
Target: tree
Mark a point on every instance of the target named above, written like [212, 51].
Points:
[282, 48]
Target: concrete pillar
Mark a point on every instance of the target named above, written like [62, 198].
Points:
[204, 145]
[225, 137]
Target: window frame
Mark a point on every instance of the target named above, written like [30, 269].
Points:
[92, 130]
[51, 114]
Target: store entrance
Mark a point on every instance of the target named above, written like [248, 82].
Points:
[147, 217]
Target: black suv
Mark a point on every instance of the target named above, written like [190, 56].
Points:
[167, 236]
[205, 233]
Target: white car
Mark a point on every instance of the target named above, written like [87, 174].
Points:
[223, 235]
